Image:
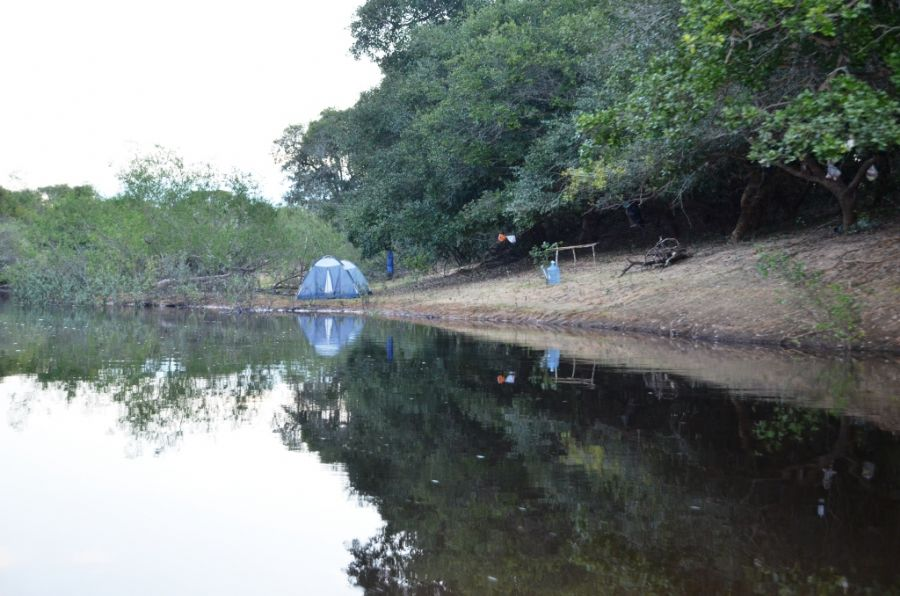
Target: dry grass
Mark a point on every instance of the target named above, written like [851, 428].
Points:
[717, 294]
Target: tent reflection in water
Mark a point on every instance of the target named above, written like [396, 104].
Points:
[328, 334]
[333, 278]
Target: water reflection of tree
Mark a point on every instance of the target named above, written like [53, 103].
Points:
[170, 373]
[382, 565]
[642, 483]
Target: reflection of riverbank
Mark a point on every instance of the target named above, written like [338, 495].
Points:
[540, 470]
[529, 462]
[864, 387]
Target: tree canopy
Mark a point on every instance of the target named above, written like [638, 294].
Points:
[796, 85]
[530, 115]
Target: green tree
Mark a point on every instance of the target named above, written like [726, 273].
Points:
[382, 27]
[316, 160]
[809, 87]
[471, 129]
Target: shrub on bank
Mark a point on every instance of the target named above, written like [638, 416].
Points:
[190, 235]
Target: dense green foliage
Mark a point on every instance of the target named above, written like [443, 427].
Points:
[174, 232]
[796, 85]
[528, 115]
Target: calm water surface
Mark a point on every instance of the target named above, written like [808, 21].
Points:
[190, 453]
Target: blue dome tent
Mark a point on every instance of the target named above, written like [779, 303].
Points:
[362, 284]
[328, 334]
[332, 278]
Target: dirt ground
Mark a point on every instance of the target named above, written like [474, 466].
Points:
[718, 294]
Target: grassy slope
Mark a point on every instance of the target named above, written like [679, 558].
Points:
[716, 294]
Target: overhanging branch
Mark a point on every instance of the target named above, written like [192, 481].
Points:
[858, 178]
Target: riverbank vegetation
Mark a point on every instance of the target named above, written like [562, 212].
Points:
[175, 233]
[548, 118]
[558, 121]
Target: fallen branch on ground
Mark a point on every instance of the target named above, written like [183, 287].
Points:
[200, 279]
[165, 283]
[283, 283]
[663, 254]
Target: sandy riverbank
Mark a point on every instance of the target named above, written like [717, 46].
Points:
[716, 295]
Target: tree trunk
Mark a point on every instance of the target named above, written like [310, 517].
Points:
[590, 222]
[847, 200]
[751, 200]
[844, 192]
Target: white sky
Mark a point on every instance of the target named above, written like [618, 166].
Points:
[87, 85]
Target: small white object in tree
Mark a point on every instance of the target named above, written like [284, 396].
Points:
[872, 173]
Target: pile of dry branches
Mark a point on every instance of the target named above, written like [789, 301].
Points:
[663, 254]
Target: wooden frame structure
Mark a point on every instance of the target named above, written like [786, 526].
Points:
[593, 248]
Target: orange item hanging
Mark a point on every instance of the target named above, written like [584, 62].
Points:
[501, 238]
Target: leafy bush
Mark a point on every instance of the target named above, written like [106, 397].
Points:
[540, 254]
[174, 233]
[837, 311]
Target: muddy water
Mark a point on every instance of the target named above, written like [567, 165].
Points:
[183, 453]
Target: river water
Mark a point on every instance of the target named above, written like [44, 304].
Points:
[166, 452]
